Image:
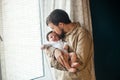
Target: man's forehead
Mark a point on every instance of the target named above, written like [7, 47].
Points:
[50, 24]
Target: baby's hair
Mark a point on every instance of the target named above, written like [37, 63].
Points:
[50, 33]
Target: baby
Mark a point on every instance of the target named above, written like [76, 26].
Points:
[55, 41]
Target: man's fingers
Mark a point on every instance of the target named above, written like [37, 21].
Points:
[61, 60]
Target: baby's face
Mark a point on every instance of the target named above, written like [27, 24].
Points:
[53, 37]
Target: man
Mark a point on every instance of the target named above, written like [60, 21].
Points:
[80, 41]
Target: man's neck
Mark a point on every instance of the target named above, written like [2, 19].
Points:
[68, 27]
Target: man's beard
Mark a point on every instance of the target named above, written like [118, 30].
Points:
[62, 35]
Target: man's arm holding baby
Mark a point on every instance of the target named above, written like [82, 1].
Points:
[56, 56]
[45, 46]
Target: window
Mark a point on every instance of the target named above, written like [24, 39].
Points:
[21, 57]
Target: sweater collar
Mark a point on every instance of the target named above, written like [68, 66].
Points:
[72, 31]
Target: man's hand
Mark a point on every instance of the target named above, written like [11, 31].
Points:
[65, 47]
[60, 57]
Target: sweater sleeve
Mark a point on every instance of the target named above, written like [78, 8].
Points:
[84, 49]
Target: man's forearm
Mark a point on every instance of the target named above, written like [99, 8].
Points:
[53, 61]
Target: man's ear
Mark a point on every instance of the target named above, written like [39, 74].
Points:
[61, 24]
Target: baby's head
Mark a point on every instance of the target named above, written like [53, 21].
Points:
[52, 36]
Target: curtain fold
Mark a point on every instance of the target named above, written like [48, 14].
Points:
[80, 11]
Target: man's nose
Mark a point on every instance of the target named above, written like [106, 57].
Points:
[54, 31]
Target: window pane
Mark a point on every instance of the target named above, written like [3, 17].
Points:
[22, 52]
[21, 38]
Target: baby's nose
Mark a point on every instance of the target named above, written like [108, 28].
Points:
[53, 36]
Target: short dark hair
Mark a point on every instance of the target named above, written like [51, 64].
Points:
[57, 16]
